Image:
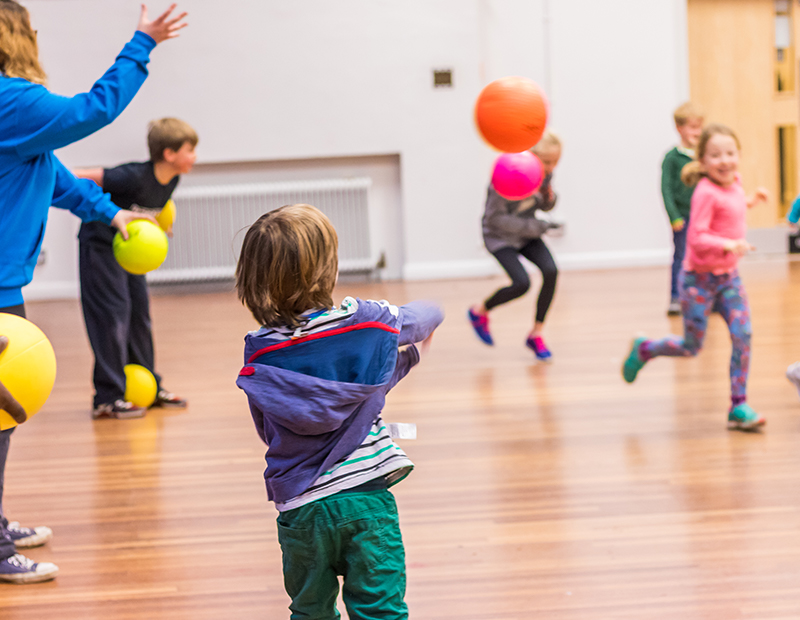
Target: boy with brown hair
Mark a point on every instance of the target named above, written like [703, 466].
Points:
[677, 196]
[116, 304]
[316, 377]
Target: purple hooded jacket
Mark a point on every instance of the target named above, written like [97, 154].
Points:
[313, 399]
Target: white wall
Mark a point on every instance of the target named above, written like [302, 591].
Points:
[271, 82]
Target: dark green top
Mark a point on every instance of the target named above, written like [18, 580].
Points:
[677, 196]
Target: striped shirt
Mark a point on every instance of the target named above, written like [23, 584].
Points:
[378, 456]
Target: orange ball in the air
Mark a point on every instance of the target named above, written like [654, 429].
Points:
[511, 114]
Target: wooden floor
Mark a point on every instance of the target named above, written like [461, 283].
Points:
[541, 491]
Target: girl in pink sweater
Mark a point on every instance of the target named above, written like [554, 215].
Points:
[714, 245]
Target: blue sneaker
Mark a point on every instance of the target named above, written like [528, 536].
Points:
[744, 418]
[634, 363]
[19, 569]
[480, 323]
[540, 350]
[26, 537]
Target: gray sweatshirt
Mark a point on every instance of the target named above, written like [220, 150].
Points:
[512, 223]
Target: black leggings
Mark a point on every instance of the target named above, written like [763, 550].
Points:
[536, 252]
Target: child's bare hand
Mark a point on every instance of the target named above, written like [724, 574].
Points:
[7, 402]
[124, 217]
[678, 225]
[426, 344]
[760, 195]
[163, 27]
[740, 247]
[794, 227]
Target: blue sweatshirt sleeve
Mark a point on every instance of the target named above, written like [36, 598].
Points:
[418, 319]
[82, 197]
[794, 212]
[47, 121]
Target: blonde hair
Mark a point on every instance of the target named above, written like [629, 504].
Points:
[168, 133]
[692, 172]
[19, 52]
[686, 112]
[288, 264]
[548, 142]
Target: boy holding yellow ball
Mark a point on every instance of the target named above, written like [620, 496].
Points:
[116, 304]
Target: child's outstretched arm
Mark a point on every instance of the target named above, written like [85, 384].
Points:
[86, 200]
[417, 320]
[47, 122]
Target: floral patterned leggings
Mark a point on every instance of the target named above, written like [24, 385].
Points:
[700, 292]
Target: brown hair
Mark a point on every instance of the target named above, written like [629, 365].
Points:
[548, 142]
[692, 172]
[168, 133]
[19, 52]
[288, 264]
[687, 112]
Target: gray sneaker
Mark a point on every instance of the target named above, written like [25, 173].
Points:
[19, 569]
[674, 308]
[793, 374]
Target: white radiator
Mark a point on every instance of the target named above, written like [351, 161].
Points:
[212, 220]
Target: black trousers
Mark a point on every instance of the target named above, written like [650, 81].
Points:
[116, 310]
[537, 252]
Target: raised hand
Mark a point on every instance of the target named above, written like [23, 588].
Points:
[125, 217]
[7, 402]
[164, 27]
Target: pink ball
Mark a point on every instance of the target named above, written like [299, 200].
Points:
[517, 175]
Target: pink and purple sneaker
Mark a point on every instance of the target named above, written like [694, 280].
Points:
[480, 323]
[539, 348]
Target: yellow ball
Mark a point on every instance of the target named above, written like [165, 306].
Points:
[166, 217]
[27, 366]
[140, 385]
[145, 249]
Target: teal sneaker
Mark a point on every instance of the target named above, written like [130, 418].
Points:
[634, 363]
[744, 418]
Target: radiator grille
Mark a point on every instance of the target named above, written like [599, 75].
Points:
[212, 220]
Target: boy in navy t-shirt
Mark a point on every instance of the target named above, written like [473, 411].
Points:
[116, 304]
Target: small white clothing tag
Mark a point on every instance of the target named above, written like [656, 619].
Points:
[402, 431]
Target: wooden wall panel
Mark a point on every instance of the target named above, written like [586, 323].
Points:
[731, 67]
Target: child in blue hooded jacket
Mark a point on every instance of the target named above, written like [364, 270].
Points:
[33, 123]
[316, 377]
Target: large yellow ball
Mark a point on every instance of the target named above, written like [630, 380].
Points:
[166, 217]
[140, 385]
[145, 249]
[27, 366]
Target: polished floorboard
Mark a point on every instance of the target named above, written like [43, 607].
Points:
[541, 491]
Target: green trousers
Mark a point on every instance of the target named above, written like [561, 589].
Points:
[355, 535]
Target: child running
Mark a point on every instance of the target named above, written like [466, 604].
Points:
[316, 377]
[33, 123]
[715, 242]
[677, 195]
[510, 230]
